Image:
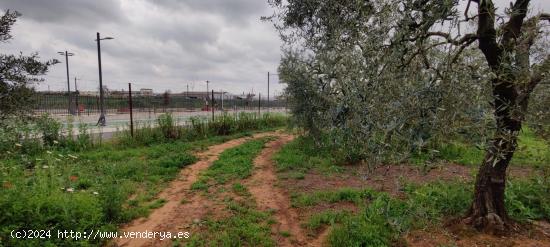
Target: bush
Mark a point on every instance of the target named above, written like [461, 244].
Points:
[49, 129]
[384, 218]
[199, 128]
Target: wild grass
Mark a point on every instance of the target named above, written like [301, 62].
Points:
[382, 219]
[245, 225]
[301, 155]
[356, 196]
[234, 163]
[98, 188]
[531, 151]
[168, 129]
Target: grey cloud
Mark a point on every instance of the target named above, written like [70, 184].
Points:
[233, 11]
[68, 12]
[158, 44]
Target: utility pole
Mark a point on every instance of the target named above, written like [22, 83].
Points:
[101, 121]
[67, 55]
[212, 100]
[131, 109]
[207, 92]
[76, 93]
[268, 91]
[221, 91]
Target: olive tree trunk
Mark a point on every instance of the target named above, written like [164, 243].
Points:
[488, 211]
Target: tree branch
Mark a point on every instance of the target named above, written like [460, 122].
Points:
[540, 72]
[512, 28]
[465, 39]
[487, 34]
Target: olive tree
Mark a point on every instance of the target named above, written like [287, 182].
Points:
[17, 73]
[377, 57]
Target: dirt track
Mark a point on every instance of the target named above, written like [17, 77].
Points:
[174, 214]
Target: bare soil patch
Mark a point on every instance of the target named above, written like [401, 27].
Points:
[390, 178]
[268, 196]
[455, 233]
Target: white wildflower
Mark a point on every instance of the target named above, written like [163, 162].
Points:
[18, 145]
[45, 167]
[95, 193]
[70, 190]
[55, 142]
[49, 152]
[72, 156]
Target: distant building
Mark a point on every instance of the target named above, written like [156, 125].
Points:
[146, 92]
[201, 95]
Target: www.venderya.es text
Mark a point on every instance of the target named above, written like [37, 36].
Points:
[95, 234]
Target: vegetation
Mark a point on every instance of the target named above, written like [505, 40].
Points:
[235, 163]
[245, 225]
[381, 219]
[17, 73]
[168, 129]
[50, 181]
[379, 80]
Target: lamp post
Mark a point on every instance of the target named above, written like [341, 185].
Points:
[67, 55]
[207, 92]
[268, 76]
[101, 120]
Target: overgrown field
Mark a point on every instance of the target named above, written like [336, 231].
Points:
[330, 193]
[58, 183]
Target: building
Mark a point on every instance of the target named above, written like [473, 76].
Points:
[146, 92]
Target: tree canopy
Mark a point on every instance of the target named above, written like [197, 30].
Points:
[17, 73]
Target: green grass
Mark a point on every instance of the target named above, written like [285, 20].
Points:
[98, 188]
[169, 129]
[356, 196]
[532, 151]
[245, 225]
[383, 219]
[328, 217]
[233, 163]
[299, 156]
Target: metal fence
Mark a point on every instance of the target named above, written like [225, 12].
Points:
[58, 103]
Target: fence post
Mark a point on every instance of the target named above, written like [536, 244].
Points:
[131, 110]
[259, 104]
[212, 105]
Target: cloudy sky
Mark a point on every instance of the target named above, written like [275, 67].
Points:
[159, 44]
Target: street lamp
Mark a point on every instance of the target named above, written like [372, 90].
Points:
[67, 55]
[101, 120]
[268, 76]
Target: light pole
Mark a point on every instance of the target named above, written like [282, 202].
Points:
[207, 92]
[101, 120]
[268, 76]
[67, 55]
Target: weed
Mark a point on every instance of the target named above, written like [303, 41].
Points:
[233, 163]
[343, 194]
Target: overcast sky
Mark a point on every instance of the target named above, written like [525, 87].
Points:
[159, 44]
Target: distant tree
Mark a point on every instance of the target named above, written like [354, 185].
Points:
[422, 40]
[17, 73]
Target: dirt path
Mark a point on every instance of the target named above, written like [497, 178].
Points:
[174, 214]
[263, 187]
